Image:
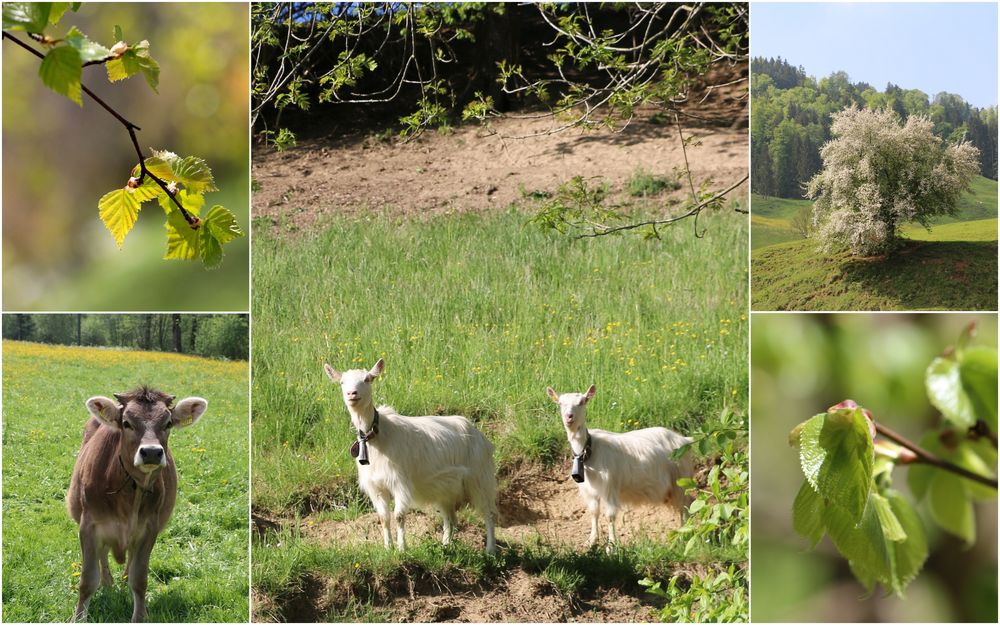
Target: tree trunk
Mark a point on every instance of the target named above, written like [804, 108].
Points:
[194, 333]
[79, 329]
[147, 332]
[177, 333]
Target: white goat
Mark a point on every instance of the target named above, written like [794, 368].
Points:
[614, 469]
[437, 462]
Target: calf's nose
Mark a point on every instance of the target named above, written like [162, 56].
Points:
[151, 454]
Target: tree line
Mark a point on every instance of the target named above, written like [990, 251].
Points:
[213, 336]
[792, 117]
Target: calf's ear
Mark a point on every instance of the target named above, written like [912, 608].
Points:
[105, 409]
[332, 373]
[188, 410]
[553, 395]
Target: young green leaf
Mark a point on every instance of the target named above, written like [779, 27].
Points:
[150, 69]
[837, 458]
[951, 506]
[862, 543]
[979, 380]
[60, 71]
[190, 171]
[31, 17]
[910, 554]
[88, 50]
[58, 9]
[807, 514]
[133, 60]
[119, 210]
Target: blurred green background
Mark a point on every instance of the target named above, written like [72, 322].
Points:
[802, 364]
[58, 160]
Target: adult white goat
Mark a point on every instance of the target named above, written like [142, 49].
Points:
[614, 469]
[437, 462]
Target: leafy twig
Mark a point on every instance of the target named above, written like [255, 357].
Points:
[926, 457]
[658, 222]
[192, 220]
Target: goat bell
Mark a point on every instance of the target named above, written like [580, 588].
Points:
[577, 472]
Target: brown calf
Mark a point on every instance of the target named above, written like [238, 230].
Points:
[124, 486]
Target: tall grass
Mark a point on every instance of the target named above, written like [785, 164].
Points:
[198, 570]
[475, 314]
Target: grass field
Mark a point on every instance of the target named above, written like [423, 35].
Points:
[924, 275]
[475, 314]
[198, 570]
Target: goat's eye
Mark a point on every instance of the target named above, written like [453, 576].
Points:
[126, 425]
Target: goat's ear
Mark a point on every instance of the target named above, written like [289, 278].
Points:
[553, 395]
[376, 370]
[332, 373]
[590, 392]
[106, 409]
[188, 410]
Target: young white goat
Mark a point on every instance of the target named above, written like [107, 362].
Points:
[436, 462]
[614, 469]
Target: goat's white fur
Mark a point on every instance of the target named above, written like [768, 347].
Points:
[424, 462]
[630, 468]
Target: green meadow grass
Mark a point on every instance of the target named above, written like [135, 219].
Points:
[924, 275]
[476, 315]
[979, 230]
[198, 569]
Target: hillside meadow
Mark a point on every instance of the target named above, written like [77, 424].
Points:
[476, 314]
[198, 569]
[950, 266]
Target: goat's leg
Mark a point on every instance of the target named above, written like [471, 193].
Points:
[611, 514]
[399, 515]
[449, 521]
[491, 541]
[90, 571]
[594, 507]
[381, 503]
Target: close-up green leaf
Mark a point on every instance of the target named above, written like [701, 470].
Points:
[88, 50]
[119, 211]
[31, 17]
[60, 71]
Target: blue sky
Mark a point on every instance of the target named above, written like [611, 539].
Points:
[928, 46]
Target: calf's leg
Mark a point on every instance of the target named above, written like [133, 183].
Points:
[90, 571]
[138, 574]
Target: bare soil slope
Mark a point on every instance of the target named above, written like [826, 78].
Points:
[472, 168]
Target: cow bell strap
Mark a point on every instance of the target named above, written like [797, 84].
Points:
[364, 437]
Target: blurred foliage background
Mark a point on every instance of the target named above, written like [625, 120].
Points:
[58, 160]
[801, 365]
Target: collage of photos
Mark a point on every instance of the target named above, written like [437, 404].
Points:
[499, 312]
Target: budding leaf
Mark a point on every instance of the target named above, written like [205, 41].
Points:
[837, 458]
[119, 210]
[60, 71]
[58, 9]
[807, 514]
[132, 61]
[31, 17]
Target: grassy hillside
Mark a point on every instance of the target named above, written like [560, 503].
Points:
[475, 314]
[771, 217]
[935, 274]
[198, 569]
[980, 230]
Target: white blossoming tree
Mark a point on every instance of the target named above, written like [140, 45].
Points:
[879, 174]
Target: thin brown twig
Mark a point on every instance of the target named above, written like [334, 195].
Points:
[192, 220]
[926, 457]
